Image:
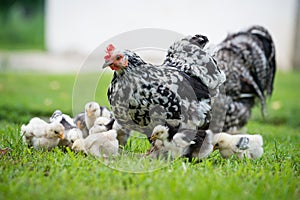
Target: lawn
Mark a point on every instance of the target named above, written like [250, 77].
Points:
[26, 173]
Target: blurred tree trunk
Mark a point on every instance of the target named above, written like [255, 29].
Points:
[296, 59]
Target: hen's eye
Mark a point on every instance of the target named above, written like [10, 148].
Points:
[56, 132]
[118, 57]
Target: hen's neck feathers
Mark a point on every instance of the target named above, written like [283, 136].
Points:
[133, 61]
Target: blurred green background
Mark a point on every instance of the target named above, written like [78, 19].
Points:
[22, 24]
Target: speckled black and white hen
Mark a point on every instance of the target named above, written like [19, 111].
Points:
[248, 60]
[143, 95]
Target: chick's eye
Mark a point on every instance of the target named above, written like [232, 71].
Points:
[217, 145]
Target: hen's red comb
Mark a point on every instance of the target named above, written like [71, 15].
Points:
[109, 50]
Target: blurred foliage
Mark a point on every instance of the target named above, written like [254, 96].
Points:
[22, 24]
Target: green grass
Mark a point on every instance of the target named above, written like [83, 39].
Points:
[26, 173]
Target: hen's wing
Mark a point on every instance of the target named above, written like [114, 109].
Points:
[188, 56]
[148, 93]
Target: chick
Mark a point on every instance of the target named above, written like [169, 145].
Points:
[157, 150]
[249, 146]
[187, 143]
[40, 134]
[175, 145]
[101, 124]
[64, 119]
[103, 144]
[105, 112]
[79, 120]
[71, 131]
[70, 136]
[74, 134]
[92, 112]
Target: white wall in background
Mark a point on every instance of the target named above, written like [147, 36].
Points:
[80, 26]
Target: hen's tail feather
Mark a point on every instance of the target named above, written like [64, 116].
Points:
[269, 49]
[255, 49]
[247, 78]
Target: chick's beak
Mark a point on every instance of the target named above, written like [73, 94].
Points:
[215, 148]
[61, 135]
[89, 113]
[153, 137]
[107, 63]
[79, 124]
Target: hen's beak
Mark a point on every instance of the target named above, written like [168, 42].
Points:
[61, 135]
[106, 64]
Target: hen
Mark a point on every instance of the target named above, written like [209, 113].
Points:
[143, 95]
[248, 60]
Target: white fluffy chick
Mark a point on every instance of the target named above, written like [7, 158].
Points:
[101, 124]
[157, 150]
[74, 134]
[103, 144]
[105, 112]
[40, 134]
[79, 120]
[70, 128]
[175, 145]
[64, 119]
[249, 146]
[70, 136]
[92, 112]
[182, 142]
